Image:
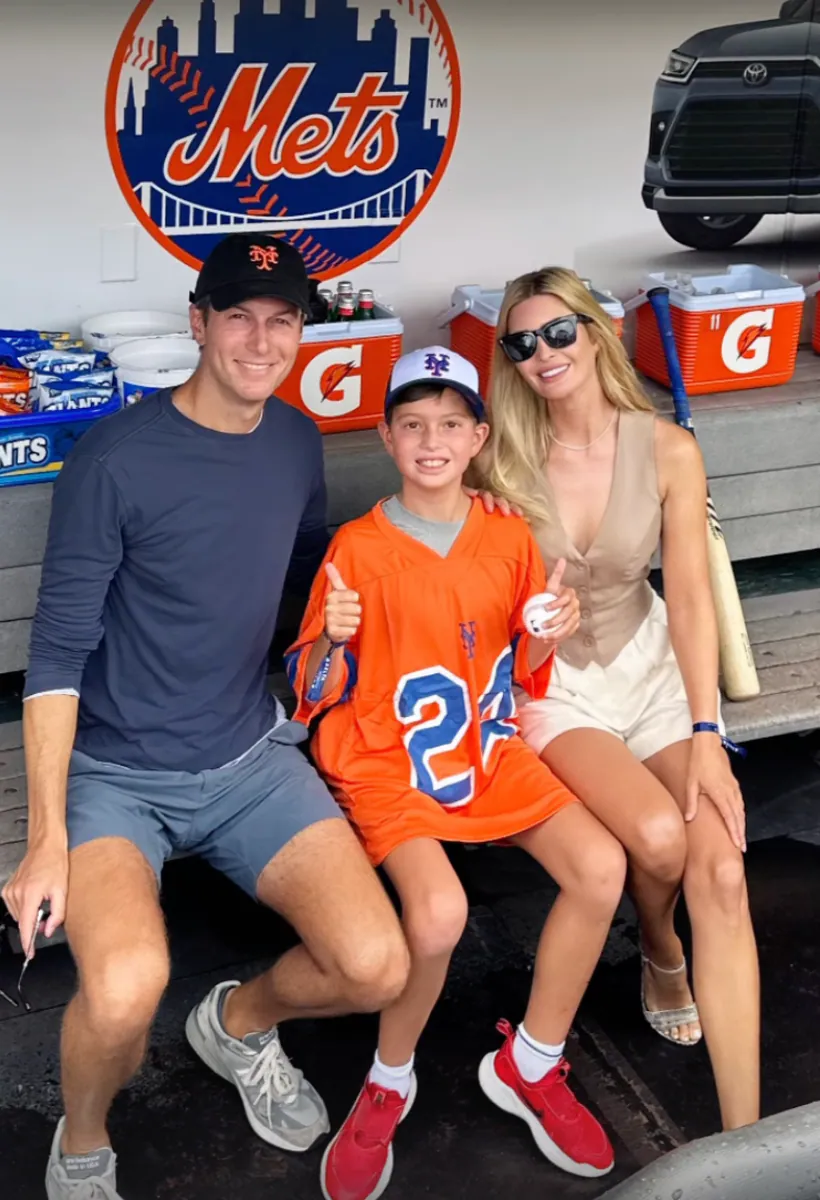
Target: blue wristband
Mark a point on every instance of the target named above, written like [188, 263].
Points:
[711, 727]
[316, 688]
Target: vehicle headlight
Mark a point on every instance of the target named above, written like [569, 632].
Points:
[678, 67]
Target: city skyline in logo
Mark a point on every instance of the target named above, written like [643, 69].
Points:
[190, 20]
[323, 121]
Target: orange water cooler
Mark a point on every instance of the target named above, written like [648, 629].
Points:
[739, 329]
[812, 293]
[342, 371]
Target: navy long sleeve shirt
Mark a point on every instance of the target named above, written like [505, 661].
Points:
[168, 549]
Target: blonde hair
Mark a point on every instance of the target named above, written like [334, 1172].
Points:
[512, 464]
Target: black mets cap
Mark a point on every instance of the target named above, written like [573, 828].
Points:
[245, 265]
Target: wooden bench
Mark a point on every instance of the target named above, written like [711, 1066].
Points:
[785, 634]
[762, 453]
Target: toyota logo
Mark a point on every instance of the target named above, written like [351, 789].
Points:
[756, 74]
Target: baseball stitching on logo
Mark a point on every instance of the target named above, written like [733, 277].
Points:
[422, 12]
[141, 52]
[175, 73]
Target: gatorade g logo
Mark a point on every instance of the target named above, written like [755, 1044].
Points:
[747, 342]
[332, 383]
[326, 122]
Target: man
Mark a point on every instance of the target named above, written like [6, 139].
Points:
[149, 728]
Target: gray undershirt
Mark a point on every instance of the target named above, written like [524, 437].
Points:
[436, 535]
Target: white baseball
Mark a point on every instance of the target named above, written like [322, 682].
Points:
[537, 614]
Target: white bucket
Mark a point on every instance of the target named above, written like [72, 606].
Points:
[145, 365]
[109, 330]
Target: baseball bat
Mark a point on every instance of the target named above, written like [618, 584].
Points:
[737, 663]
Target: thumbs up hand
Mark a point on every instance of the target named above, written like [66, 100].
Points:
[343, 613]
[554, 583]
[554, 615]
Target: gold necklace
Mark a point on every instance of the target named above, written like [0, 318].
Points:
[565, 446]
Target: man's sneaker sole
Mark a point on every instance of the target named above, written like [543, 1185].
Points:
[506, 1099]
[387, 1173]
[201, 1047]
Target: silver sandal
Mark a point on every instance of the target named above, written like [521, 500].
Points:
[664, 1019]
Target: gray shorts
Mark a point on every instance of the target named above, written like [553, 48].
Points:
[236, 817]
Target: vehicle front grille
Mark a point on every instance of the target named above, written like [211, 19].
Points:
[733, 68]
[754, 138]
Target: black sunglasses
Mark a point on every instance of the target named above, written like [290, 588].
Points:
[43, 913]
[557, 334]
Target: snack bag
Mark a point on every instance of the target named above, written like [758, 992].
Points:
[16, 393]
[76, 397]
[58, 362]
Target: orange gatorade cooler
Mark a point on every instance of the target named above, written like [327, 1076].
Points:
[812, 292]
[739, 329]
[342, 371]
[473, 319]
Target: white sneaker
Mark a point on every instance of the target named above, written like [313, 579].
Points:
[61, 1186]
[282, 1107]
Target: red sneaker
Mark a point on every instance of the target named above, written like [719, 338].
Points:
[358, 1163]
[565, 1132]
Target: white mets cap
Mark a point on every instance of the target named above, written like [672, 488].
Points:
[436, 364]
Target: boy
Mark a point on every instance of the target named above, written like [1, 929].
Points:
[414, 671]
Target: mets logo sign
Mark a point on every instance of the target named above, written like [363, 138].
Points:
[326, 122]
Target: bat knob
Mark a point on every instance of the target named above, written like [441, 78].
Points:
[657, 291]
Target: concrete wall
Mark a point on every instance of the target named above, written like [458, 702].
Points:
[548, 165]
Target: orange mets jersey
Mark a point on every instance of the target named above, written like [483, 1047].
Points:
[419, 737]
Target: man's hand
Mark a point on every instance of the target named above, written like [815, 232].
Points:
[343, 613]
[42, 875]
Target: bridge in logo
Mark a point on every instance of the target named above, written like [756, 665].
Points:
[177, 217]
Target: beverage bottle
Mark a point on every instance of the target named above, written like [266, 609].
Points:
[328, 299]
[344, 294]
[365, 309]
[345, 309]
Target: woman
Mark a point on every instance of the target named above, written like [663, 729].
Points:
[631, 722]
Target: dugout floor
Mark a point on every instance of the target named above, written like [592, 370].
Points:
[180, 1132]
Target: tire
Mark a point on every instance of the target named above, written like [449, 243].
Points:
[708, 233]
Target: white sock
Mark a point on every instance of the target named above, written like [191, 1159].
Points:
[534, 1059]
[392, 1079]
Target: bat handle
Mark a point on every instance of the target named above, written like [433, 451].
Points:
[659, 299]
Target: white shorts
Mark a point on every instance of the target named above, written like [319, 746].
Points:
[639, 698]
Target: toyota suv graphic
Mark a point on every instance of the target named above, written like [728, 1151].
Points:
[735, 129]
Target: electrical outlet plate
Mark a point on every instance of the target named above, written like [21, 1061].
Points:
[118, 254]
[391, 255]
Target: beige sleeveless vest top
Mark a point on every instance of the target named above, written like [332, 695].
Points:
[611, 578]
